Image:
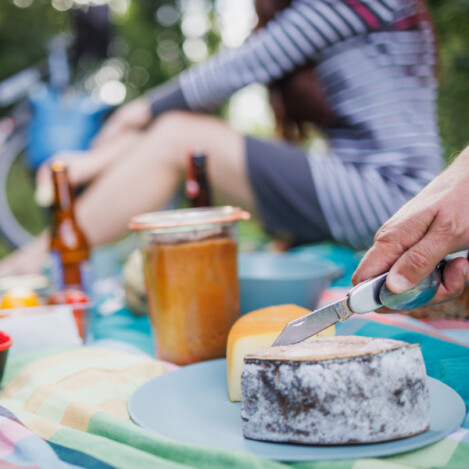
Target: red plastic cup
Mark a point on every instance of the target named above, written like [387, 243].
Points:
[5, 344]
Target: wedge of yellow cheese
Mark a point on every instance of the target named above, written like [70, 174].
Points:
[254, 331]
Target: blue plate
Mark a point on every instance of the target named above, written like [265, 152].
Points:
[191, 405]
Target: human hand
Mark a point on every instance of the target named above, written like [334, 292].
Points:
[83, 166]
[132, 116]
[429, 227]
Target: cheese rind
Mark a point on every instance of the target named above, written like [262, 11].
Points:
[254, 331]
[368, 390]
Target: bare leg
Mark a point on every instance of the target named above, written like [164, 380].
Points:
[27, 260]
[84, 166]
[147, 178]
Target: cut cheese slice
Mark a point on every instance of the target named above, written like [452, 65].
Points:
[254, 331]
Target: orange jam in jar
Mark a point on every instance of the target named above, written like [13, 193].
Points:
[190, 263]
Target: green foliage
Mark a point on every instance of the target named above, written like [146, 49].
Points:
[24, 33]
[450, 19]
[140, 34]
[147, 51]
[20, 188]
[151, 52]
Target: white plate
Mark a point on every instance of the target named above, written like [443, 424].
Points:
[191, 405]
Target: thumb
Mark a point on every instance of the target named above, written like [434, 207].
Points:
[43, 173]
[393, 239]
[44, 192]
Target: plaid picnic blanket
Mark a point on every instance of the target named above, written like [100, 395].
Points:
[67, 408]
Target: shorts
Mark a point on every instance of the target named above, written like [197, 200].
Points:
[287, 201]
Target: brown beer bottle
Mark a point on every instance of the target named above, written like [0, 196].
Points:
[198, 190]
[69, 248]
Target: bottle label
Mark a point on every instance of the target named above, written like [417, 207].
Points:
[192, 188]
[56, 270]
[84, 279]
[86, 275]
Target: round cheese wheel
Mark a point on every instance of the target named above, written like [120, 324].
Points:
[335, 390]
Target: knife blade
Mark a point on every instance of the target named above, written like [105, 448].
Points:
[361, 299]
[302, 328]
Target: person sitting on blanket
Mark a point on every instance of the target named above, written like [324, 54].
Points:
[363, 70]
[432, 225]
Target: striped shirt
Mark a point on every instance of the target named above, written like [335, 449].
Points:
[376, 69]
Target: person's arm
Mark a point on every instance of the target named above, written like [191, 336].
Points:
[298, 34]
[131, 117]
[432, 225]
[137, 114]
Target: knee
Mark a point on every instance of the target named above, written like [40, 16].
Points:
[171, 124]
[166, 140]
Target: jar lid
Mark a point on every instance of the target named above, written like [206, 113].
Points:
[187, 217]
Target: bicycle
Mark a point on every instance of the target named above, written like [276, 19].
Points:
[49, 114]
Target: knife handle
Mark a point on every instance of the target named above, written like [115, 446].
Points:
[373, 293]
[364, 298]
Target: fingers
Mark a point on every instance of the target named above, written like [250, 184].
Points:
[454, 279]
[420, 259]
[44, 193]
[43, 174]
[393, 239]
[430, 226]
[81, 168]
[378, 259]
[134, 115]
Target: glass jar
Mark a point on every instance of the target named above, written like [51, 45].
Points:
[190, 265]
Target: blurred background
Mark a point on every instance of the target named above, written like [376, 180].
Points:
[129, 46]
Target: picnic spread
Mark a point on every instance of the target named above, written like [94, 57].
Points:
[91, 383]
[193, 348]
[68, 407]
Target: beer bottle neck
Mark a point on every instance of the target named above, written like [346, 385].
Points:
[63, 205]
[199, 188]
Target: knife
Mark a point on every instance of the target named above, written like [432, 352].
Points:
[370, 295]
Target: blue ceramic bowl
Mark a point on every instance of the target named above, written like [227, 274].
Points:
[267, 279]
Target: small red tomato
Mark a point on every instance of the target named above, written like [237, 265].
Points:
[68, 297]
[71, 297]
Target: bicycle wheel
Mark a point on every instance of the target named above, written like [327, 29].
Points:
[16, 194]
